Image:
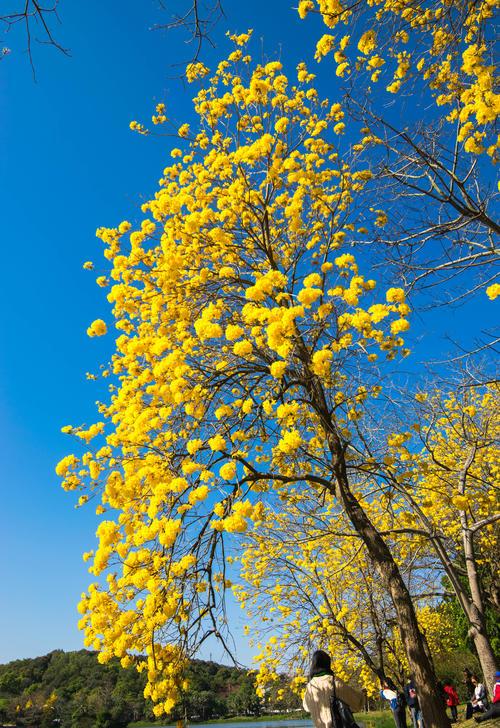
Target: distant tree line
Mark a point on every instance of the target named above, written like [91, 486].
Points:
[73, 690]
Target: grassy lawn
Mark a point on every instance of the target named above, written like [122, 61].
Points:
[384, 719]
[376, 719]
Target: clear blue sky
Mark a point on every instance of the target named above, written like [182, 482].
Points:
[68, 164]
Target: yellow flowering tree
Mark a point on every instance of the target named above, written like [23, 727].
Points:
[307, 580]
[245, 362]
[445, 47]
[451, 499]
[421, 78]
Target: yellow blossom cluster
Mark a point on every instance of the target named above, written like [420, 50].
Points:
[445, 45]
[97, 328]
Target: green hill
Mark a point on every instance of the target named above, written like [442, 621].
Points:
[73, 690]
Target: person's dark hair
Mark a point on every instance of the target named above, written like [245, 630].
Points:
[320, 664]
[390, 684]
[474, 677]
[467, 672]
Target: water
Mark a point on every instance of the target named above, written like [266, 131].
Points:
[290, 723]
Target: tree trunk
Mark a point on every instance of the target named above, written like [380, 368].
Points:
[486, 658]
[476, 613]
[471, 601]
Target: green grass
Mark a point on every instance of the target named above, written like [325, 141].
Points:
[299, 715]
[384, 719]
[376, 719]
[472, 723]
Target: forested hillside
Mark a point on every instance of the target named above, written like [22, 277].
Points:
[75, 689]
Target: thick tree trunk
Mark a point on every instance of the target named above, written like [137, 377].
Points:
[486, 658]
[476, 615]
[470, 600]
[476, 612]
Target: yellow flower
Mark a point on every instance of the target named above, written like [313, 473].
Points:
[313, 279]
[198, 494]
[307, 296]
[281, 125]
[278, 369]
[493, 291]
[341, 69]
[378, 312]
[97, 328]
[368, 42]
[324, 46]
[290, 441]
[345, 260]
[393, 87]
[194, 445]
[234, 332]
[399, 326]
[304, 7]
[124, 227]
[460, 502]
[395, 295]
[242, 348]
[321, 361]
[217, 443]
[228, 471]
[195, 70]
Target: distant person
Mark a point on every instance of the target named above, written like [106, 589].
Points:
[467, 681]
[319, 691]
[478, 702]
[413, 704]
[396, 701]
[452, 699]
[494, 710]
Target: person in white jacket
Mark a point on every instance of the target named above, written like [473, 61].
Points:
[320, 688]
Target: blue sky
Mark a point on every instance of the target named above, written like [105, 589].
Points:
[69, 163]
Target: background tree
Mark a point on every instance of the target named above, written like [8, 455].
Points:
[431, 65]
[42, 689]
[459, 499]
[308, 582]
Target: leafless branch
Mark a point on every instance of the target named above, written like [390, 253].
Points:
[33, 15]
[197, 20]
